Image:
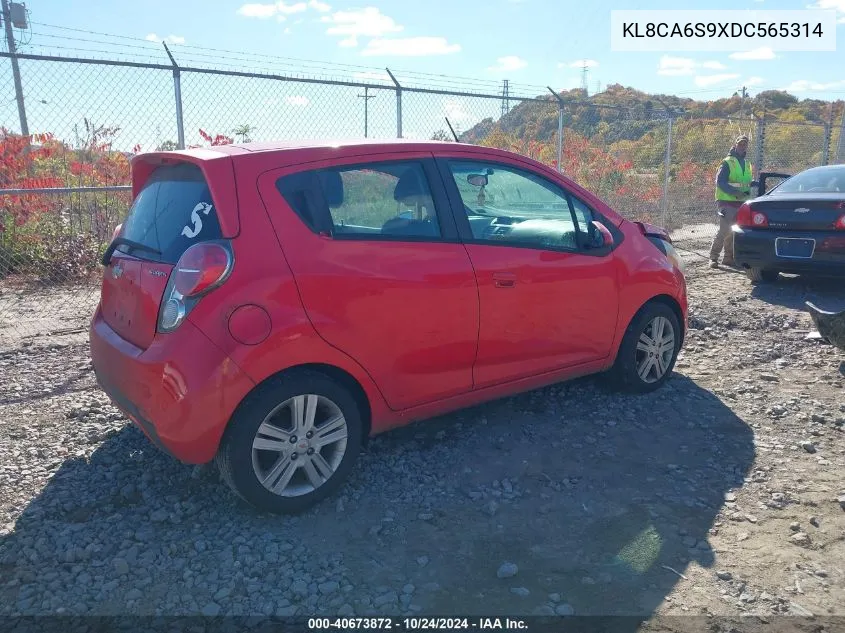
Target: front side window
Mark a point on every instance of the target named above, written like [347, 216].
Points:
[376, 200]
[508, 205]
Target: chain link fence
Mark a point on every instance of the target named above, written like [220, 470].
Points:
[64, 188]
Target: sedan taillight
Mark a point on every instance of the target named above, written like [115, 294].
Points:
[839, 225]
[748, 218]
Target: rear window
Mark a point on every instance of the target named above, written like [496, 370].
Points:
[824, 180]
[172, 212]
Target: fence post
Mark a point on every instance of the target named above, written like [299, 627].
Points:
[828, 130]
[840, 145]
[560, 105]
[398, 104]
[758, 152]
[177, 89]
[667, 166]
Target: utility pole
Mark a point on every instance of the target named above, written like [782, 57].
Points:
[506, 92]
[16, 72]
[584, 86]
[742, 103]
[366, 97]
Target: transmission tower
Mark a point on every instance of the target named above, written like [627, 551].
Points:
[584, 85]
[506, 106]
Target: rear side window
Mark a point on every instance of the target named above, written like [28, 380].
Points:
[172, 212]
[370, 201]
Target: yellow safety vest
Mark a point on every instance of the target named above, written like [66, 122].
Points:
[737, 178]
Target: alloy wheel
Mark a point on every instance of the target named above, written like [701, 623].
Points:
[299, 445]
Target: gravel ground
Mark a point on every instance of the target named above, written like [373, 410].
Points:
[721, 494]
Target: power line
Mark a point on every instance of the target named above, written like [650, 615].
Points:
[318, 64]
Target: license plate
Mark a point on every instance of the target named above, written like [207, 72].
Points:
[796, 248]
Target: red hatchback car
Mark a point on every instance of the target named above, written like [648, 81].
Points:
[271, 306]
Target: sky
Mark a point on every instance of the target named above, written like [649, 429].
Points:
[459, 44]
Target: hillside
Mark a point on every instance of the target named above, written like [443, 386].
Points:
[629, 115]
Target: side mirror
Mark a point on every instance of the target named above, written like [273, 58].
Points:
[600, 236]
[477, 180]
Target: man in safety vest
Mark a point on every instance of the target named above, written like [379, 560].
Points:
[733, 187]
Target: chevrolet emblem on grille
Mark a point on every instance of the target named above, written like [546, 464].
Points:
[117, 271]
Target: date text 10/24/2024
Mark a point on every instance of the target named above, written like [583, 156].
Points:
[417, 624]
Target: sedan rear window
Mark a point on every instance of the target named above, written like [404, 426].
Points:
[172, 212]
[820, 180]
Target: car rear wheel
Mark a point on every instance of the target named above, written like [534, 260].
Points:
[756, 275]
[648, 351]
[292, 443]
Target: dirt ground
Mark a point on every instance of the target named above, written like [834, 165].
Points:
[721, 495]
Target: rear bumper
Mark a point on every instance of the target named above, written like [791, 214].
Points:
[756, 249]
[181, 391]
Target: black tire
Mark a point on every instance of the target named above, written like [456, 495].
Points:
[623, 375]
[235, 456]
[757, 275]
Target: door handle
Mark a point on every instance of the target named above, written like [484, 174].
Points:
[504, 280]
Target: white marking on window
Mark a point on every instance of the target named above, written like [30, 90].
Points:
[196, 220]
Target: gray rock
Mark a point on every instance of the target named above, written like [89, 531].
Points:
[299, 588]
[507, 570]
[520, 591]
[544, 610]
[554, 597]
[409, 589]
[422, 561]
[797, 609]
[808, 446]
[121, 566]
[159, 516]
[222, 594]
[564, 609]
[211, 610]
[385, 599]
[287, 612]
[330, 587]
[346, 611]
[724, 575]
[800, 539]
[134, 594]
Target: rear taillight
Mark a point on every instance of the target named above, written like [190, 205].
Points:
[748, 218]
[201, 269]
[839, 225]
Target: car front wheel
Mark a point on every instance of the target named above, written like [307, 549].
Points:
[648, 351]
[292, 443]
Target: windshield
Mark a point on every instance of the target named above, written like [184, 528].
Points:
[823, 180]
[173, 211]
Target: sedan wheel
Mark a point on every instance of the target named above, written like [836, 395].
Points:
[292, 442]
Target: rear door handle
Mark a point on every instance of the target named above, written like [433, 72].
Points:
[504, 280]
